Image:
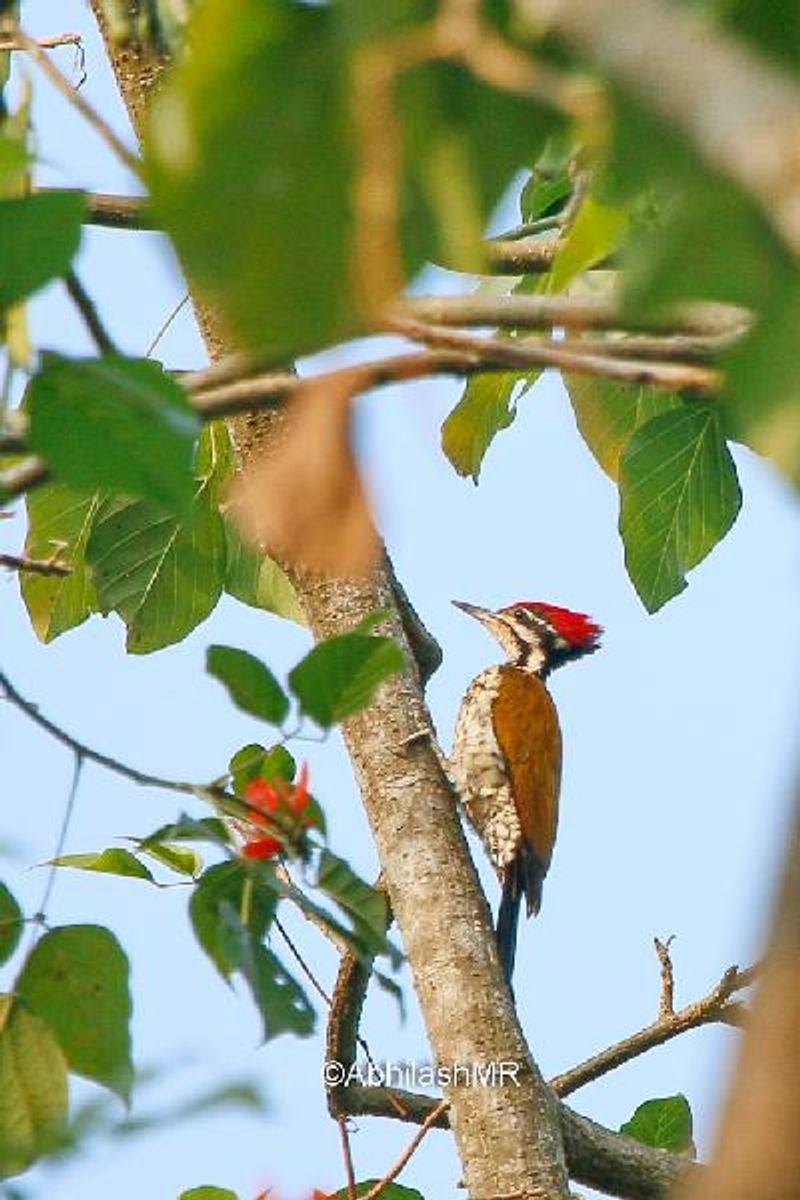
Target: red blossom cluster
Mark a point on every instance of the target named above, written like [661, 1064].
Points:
[283, 807]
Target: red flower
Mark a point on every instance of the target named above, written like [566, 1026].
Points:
[262, 847]
[261, 794]
[279, 805]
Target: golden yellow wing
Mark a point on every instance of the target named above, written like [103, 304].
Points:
[528, 733]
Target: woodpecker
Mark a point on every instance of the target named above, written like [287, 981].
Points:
[506, 761]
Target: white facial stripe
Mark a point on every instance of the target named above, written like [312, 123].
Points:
[521, 640]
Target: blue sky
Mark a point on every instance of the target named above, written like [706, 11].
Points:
[679, 742]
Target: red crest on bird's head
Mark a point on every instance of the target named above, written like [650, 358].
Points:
[576, 628]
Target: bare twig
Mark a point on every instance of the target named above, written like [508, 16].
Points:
[451, 353]
[10, 42]
[110, 211]
[23, 477]
[36, 566]
[61, 841]
[88, 311]
[301, 962]
[347, 1155]
[710, 1009]
[528, 229]
[428, 1123]
[79, 102]
[575, 313]
[523, 257]
[666, 1002]
[165, 324]
[81, 750]
[596, 1156]
[526, 353]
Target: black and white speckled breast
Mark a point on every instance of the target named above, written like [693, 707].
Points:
[479, 772]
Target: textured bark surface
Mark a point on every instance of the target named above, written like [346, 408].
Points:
[508, 1136]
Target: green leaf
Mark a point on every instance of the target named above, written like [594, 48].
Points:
[76, 979]
[11, 922]
[665, 1123]
[608, 413]
[60, 522]
[544, 194]
[484, 409]
[112, 862]
[394, 1191]
[366, 907]
[679, 496]
[722, 248]
[221, 887]
[39, 236]
[254, 762]
[596, 232]
[282, 1003]
[33, 1088]
[162, 574]
[190, 829]
[115, 423]
[256, 579]
[14, 163]
[183, 862]
[207, 1192]
[240, 134]
[550, 182]
[341, 675]
[250, 684]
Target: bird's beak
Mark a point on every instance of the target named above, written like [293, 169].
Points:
[472, 610]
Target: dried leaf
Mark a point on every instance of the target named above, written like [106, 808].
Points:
[304, 502]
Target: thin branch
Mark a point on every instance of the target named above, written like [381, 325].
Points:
[111, 211]
[10, 42]
[165, 324]
[23, 477]
[710, 1009]
[705, 320]
[528, 229]
[525, 257]
[526, 353]
[79, 102]
[61, 842]
[664, 349]
[392, 1174]
[596, 1156]
[666, 1002]
[452, 353]
[83, 751]
[88, 311]
[347, 1154]
[301, 962]
[36, 566]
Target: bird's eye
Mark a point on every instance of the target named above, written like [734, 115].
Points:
[520, 614]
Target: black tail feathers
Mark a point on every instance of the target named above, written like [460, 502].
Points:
[507, 921]
[524, 877]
